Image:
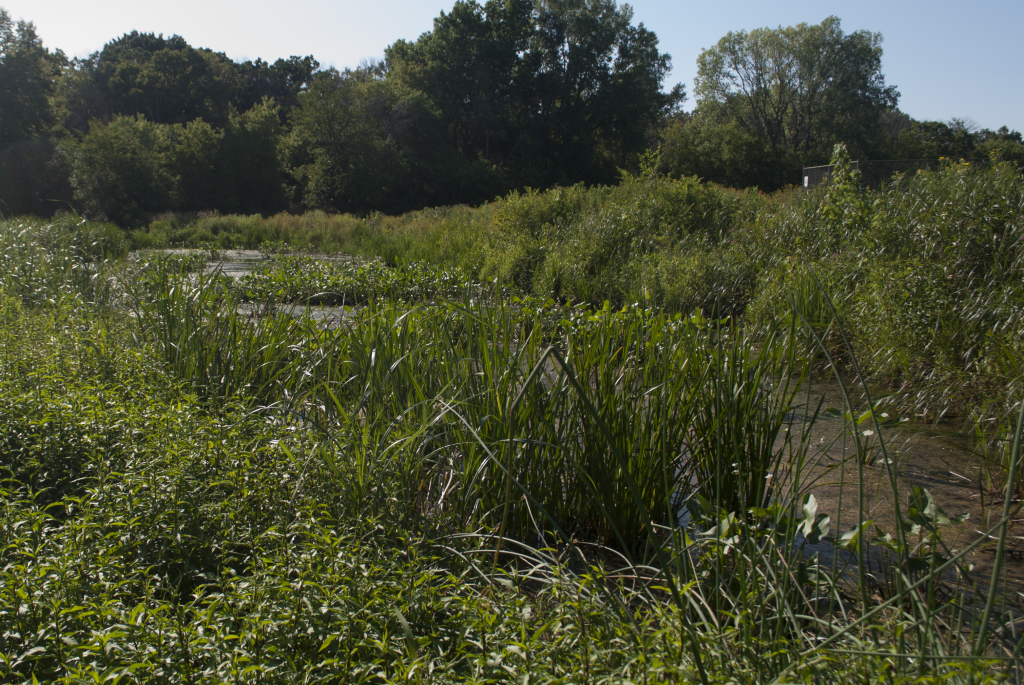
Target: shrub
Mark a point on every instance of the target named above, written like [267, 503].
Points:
[121, 171]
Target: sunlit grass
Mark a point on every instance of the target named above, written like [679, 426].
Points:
[203, 483]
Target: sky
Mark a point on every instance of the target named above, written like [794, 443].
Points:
[948, 59]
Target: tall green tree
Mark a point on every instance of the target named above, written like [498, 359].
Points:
[123, 171]
[32, 176]
[198, 164]
[253, 162]
[551, 91]
[371, 143]
[164, 79]
[597, 87]
[473, 68]
[350, 166]
[130, 168]
[27, 75]
[281, 81]
[706, 144]
[799, 89]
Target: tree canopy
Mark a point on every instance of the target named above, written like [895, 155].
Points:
[554, 91]
[499, 95]
[803, 87]
[164, 79]
[779, 98]
[28, 72]
[30, 169]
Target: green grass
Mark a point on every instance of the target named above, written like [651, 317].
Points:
[465, 484]
[447, 236]
[945, 344]
[350, 282]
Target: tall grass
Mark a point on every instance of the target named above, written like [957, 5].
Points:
[926, 274]
[206, 337]
[480, 488]
[945, 344]
[533, 429]
[508, 413]
[448, 236]
[57, 259]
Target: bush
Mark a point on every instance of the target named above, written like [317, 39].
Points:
[718, 283]
[121, 171]
[589, 245]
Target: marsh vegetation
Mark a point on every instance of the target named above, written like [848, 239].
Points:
[570, 436]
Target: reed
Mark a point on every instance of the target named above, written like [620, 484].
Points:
[203, 483]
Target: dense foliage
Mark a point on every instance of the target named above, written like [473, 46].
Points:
[562, 92]
[499, 96]
[27, 73]
[569, 435]
[30, 171]
[950, 335]
[204, 482]
[552, 92]
[774, 100]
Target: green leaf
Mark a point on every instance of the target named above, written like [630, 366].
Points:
[410, 641]
[810, 507]
[814, 525]
[851, 538]
[922, 510]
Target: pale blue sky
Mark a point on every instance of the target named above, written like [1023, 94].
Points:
[948, 59]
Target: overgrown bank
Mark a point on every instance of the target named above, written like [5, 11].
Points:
[926, 273]
[457, 485]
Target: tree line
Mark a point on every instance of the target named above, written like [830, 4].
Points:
[774, 100]
[504, 95]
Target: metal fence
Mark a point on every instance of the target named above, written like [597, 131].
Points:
[875, 172]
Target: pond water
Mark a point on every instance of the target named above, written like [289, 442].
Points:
[935, 457]
[328, 316]
[235, 263]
